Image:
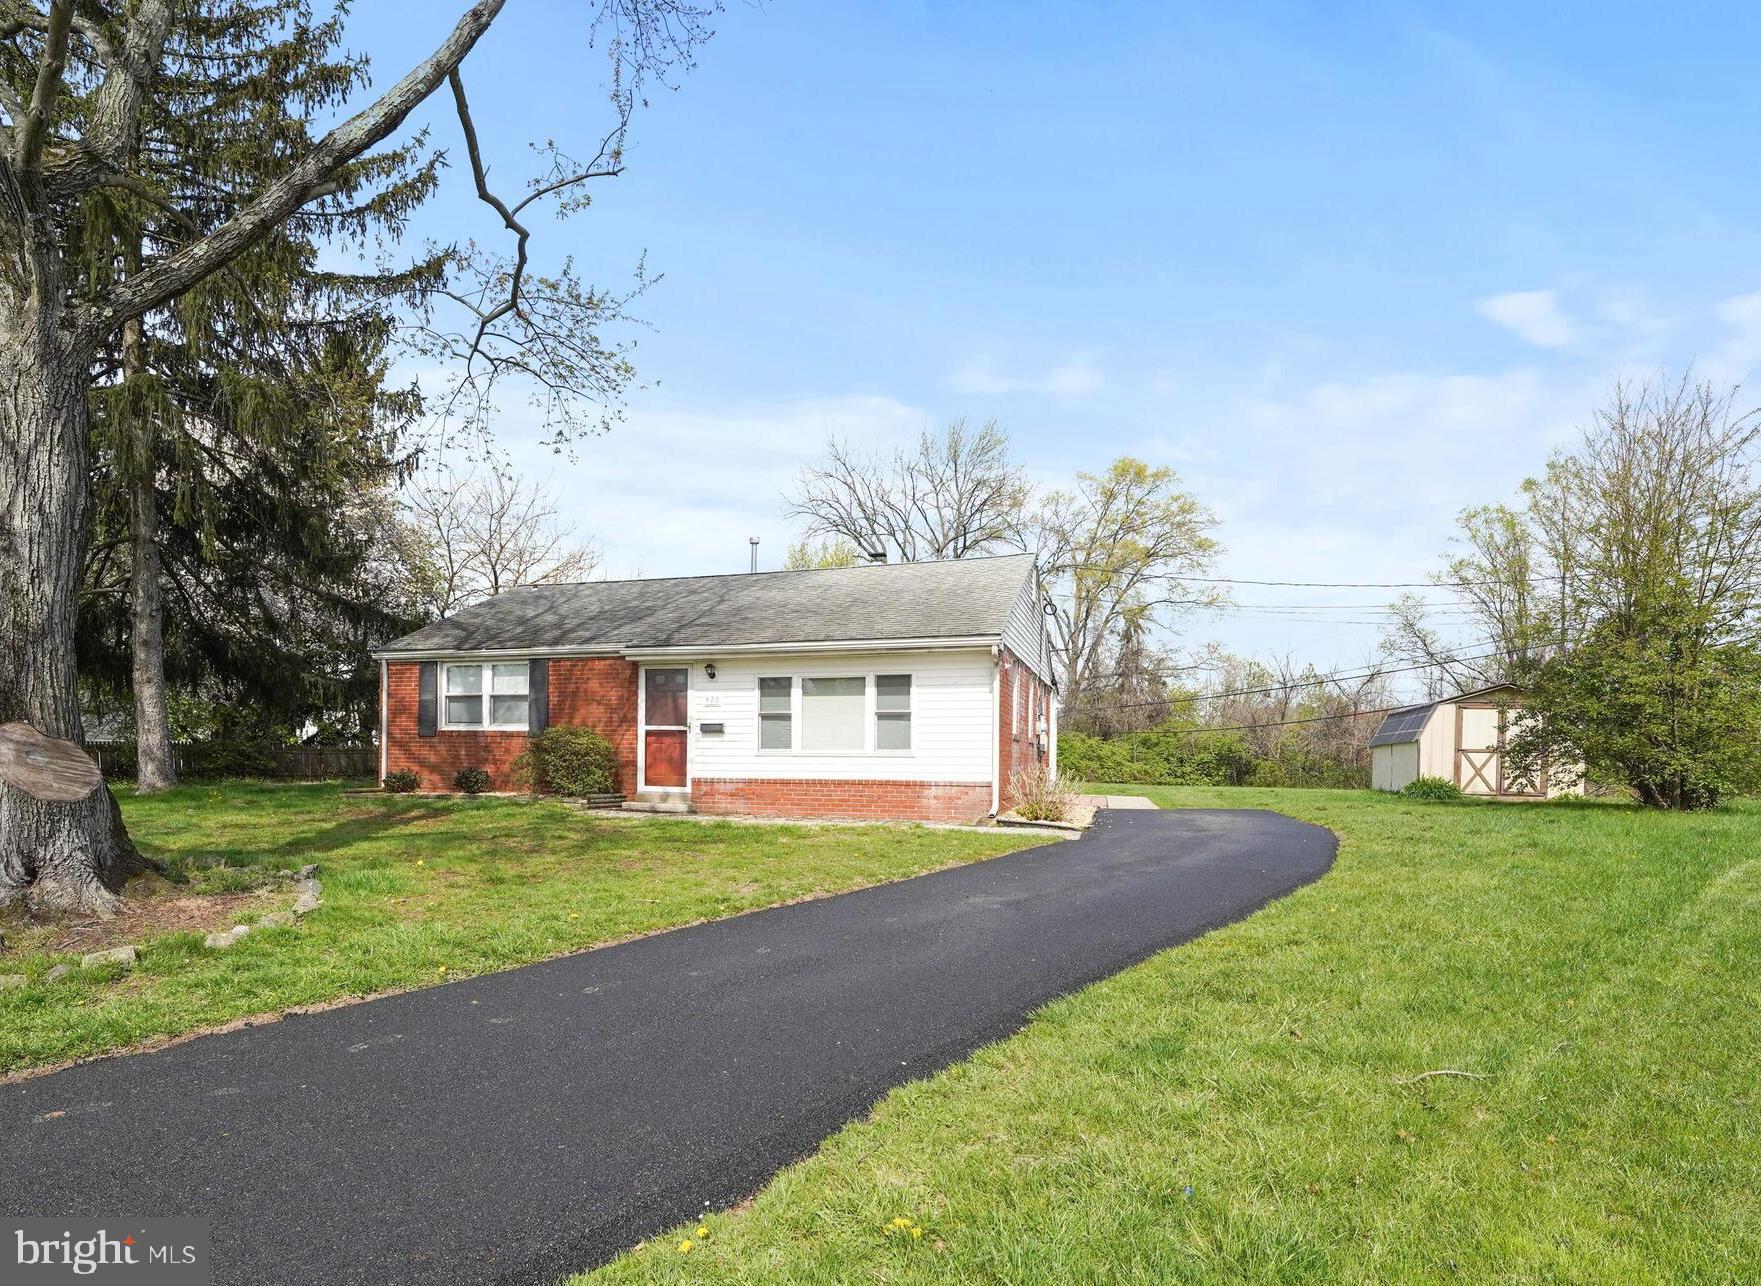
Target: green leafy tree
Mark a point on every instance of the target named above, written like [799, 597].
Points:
[807, 555]
[1648, 562]
[1677, 721]
[1116, 552]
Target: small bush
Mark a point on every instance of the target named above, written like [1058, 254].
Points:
[402, 782]
[473, 781]
[1042, 797]
[568, 761]
[1432, 788]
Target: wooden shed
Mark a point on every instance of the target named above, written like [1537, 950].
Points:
[1460, 739]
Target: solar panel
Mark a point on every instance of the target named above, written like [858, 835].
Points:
[1402, 725]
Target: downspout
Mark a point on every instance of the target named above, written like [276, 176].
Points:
[384, 720]
[996, 728]
[1052, 701]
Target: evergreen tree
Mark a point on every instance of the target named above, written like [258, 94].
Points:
[102, 103]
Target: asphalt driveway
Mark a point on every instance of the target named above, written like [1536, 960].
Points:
[515, 1127]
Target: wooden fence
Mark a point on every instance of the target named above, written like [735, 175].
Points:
[195, 760]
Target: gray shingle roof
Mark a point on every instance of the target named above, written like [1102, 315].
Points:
[970, 597]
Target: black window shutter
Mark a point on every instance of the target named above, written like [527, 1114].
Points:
[538, 702]
[428, 700]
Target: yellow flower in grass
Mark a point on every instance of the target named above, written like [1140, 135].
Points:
[702, 1232]
[916, 1232]
[685, 1246]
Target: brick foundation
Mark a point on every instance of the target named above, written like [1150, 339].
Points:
[921, 801]
[590, 692]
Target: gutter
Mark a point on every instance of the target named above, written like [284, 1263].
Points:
[697, 649]
[821, 645]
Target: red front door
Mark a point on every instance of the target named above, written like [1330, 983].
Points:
[665, 730]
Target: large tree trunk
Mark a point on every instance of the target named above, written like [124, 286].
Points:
[155, 770]
[58, 856]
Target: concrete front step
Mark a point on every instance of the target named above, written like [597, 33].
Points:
[657, 803]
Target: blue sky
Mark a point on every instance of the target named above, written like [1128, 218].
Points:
[1346, 267]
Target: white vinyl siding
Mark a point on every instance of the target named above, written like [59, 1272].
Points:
[936, 705]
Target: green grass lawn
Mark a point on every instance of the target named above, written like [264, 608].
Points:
[1244, 1108]
[418, 891]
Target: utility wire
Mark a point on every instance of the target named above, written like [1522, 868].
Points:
[1359, 584]
[1304, 683]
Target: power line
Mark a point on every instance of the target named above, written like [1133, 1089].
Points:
[1306, 683]
[1288, 723]
[1359, 584]
[1166, 671]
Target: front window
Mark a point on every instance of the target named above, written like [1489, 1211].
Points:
[892, 712]
[776, 711]
[509, 693]
[495, 695]
[833, 712]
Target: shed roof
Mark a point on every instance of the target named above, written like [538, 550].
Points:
[967, 598]
[1406, 723]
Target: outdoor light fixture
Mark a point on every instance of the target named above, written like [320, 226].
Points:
[709, 668]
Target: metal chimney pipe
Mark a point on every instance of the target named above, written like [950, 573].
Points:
[753, 541]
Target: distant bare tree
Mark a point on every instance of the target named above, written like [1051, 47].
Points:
[951, 495]
[478, 535]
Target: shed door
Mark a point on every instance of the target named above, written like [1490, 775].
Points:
[1479, 750]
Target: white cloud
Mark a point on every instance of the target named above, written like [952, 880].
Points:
[1735, 358]
[678, 491]
[1077, 376]
[1532, 315]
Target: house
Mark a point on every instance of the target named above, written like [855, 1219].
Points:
[1460, 739]
[908, 690]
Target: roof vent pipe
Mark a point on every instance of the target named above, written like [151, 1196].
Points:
[753, 541]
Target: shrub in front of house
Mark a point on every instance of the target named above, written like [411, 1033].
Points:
[1432, 788]
[473, 781]
[402, 782]
[568, 761]
[1041, 796]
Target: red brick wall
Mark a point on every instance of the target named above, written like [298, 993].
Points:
[1018, 746]
[591, 692]
[922, 801]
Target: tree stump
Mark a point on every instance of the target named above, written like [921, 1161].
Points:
[63, 845]
[46, 768]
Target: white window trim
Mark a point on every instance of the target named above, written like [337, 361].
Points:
[488, 668]
[869, 702]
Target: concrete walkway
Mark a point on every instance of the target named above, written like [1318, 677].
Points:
[522, 1125]
[1114, 801]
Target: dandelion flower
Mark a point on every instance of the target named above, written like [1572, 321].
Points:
[685, 1246]
[916, 1232]
[703, 1232]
